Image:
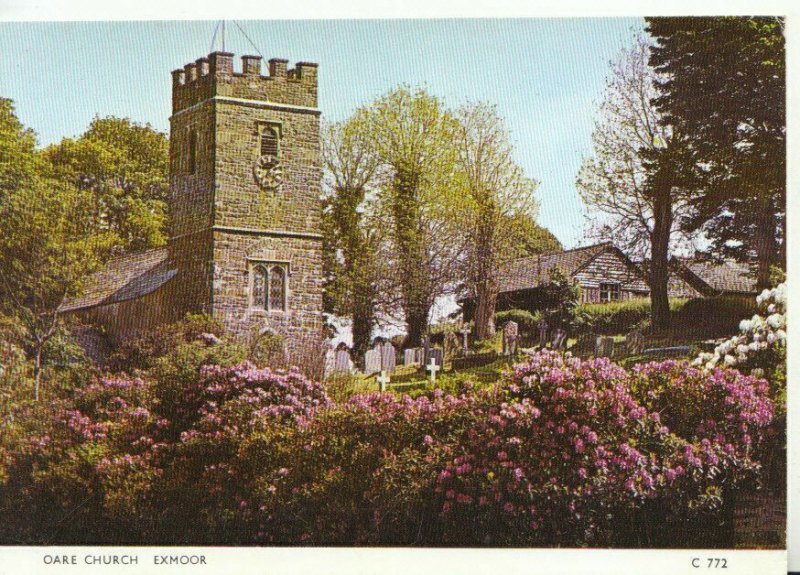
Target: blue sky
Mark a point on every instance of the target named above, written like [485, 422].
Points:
[545, 76]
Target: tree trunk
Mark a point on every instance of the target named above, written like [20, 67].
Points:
[659, 255]
[362, 334]
[765, 245]
[37, 372]
[484, 312]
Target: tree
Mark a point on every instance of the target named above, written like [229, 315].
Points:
[722, 88]
[125, 166]
[495, 208]
[632, 204]
[352, 171]
[18, 163]
[412, 134]
[48, 245]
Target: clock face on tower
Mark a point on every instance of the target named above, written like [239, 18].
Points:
[269, 172]
[268, 169]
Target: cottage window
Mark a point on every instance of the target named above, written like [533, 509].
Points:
[609, 292]
[268, 287]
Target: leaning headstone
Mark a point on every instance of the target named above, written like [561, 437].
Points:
[410, 357]
[510, 338]
[604, 346]
[634, 342]
[342, 361]
[372, 361]
[388, 357]
[542, 326]
[559, 339]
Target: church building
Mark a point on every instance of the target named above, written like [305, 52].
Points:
[245, 182]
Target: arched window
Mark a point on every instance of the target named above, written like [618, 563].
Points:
[260, 280]
[269, 141]
[277, 289]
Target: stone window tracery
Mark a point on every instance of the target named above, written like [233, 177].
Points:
[268, 287]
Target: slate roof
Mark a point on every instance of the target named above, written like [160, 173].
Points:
[534, 271]
[727, 276]
[124, 278]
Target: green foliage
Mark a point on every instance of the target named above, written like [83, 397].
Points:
[617, 317]
[526, 320]
[124, 165]
[18, 162]
[561, 295]
[713, 316]
[732, 147]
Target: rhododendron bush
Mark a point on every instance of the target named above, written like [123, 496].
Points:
[560, 452]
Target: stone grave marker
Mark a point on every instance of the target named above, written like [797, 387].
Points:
[421, 357]
[559, 338]
[388, 357]
[510, 338]
[372, 361]
[465, 333]
[432, 367]
[436, 353]
[604, 346]
[634, 342]
[543, 327]
[410, 356]
[383, 380]
[342, 361]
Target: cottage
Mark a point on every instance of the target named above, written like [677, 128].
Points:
[604, 274]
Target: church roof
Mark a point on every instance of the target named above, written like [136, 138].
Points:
[534, 271]
[123, 278]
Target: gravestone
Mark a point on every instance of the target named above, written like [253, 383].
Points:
[432, 367]
[434, 353]
[559, 338]
[510, 338]
[634, 342]
[383, 381]
[388, 357]
[465, 333]
[450, 344]
[543, 327]
[420, 351]
[342, 361]
[604, 346]
[372, 361]
[410, 357]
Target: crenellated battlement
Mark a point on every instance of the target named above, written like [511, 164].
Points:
[213, 76]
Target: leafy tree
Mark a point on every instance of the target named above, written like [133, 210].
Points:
[351, 240]
[18, 164]
[412, 134]
[495, 209]
[125, 166]
[630, 204]
[722, 88]
[48, 245]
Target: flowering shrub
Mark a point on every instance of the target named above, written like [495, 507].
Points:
[560, 452]
[761, 341]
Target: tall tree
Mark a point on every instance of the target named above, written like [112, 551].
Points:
[48, 245]
[18, 162]
[496, 204]
[412, 134]
[722, 88]
[632, 204]
[352, 172]
[125, 166]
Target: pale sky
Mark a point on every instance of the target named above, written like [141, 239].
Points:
[545, 76]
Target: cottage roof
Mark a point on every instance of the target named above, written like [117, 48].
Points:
[726, 276]
[534, 271]
[123, 278]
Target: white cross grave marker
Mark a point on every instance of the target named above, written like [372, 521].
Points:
[433, 368]
[383, 379]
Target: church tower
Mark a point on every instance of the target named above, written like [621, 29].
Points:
[245, 185]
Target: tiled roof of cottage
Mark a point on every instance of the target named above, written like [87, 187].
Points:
[726, 276]
[124, 278]
[533, 271]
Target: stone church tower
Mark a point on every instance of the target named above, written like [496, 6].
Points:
[245, 211]
[245, 185]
